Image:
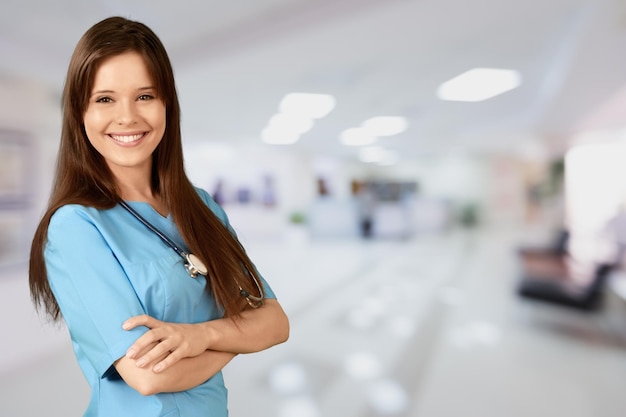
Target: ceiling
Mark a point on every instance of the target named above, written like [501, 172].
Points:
[235, 60]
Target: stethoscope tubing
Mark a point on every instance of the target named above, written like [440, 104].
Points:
[156, 231]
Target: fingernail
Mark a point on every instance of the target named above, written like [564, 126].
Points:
[157, 368]
[141, 362]
[125, 326]
[130, 353]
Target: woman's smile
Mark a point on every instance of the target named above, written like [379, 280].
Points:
[127, 139]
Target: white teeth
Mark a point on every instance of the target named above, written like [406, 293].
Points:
[127, 138]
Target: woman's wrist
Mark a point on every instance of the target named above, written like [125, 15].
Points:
[210, 334]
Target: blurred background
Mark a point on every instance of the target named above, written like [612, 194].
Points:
[433, 188]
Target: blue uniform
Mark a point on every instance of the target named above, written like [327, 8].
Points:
[104, 266]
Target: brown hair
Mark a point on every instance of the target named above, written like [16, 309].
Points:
[83, 177]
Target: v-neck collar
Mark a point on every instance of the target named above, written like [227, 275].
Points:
[148, 208]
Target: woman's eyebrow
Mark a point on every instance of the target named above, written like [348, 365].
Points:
[111, 91]
[102, 92]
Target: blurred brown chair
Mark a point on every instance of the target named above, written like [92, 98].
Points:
[550, 275]
[563, 281]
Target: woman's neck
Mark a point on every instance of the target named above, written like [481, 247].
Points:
[135, 185]
[145, 195]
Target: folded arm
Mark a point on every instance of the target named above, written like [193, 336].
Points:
[185, 374]
[167, 343]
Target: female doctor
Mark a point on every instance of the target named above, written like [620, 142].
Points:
[156, 291]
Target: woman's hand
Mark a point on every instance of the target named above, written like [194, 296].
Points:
[165, 343]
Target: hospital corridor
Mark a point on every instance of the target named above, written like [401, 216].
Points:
[435, 191]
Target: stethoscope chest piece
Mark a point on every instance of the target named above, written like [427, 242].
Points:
[195, 266]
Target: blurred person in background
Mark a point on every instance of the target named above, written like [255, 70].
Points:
[366, 201]
[155, 288]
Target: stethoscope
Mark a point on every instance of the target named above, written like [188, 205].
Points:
[193, 265]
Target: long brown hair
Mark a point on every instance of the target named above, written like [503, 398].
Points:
[83, 177]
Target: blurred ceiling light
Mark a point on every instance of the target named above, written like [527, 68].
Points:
[371, 153]
[379, 155]
[314, 106]
[388, 158]
[479, 84]
[357, 136]
[290, 123]
[386, 125]
[278, 137]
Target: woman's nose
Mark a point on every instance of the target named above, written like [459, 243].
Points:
[126, 113]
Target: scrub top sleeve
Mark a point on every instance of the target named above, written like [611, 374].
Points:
[221, 214]
[91, 288]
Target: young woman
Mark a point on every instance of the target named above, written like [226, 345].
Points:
[156, 291]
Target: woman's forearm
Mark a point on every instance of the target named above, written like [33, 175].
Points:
[256, 330]
[185, 374]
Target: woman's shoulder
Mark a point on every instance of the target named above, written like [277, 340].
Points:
[71, 210]
[74, 213]
[206, 198]
[212, 204]
[204, 195]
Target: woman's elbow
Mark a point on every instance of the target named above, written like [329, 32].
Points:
[146, 388]
[277, 332]
[282, 329]
[141, 380]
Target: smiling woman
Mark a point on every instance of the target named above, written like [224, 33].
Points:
[150, 338]
[125, 118]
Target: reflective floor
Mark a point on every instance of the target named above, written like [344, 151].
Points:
[429, 327]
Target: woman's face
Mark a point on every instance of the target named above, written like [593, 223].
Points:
[125, 118]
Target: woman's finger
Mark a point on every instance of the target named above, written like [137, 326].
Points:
[142, 320]
[140, 345]
[157, 353]
[169, 360]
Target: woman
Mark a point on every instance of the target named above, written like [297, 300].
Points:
[152, 325]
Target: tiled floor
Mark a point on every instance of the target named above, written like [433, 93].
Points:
[428, 327]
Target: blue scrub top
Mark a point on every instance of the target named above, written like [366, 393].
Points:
[104, 266]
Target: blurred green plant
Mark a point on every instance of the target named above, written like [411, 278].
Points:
[297, 217]
[468, 215]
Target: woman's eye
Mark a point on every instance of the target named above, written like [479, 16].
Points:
[103, 100]
[146, 97]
